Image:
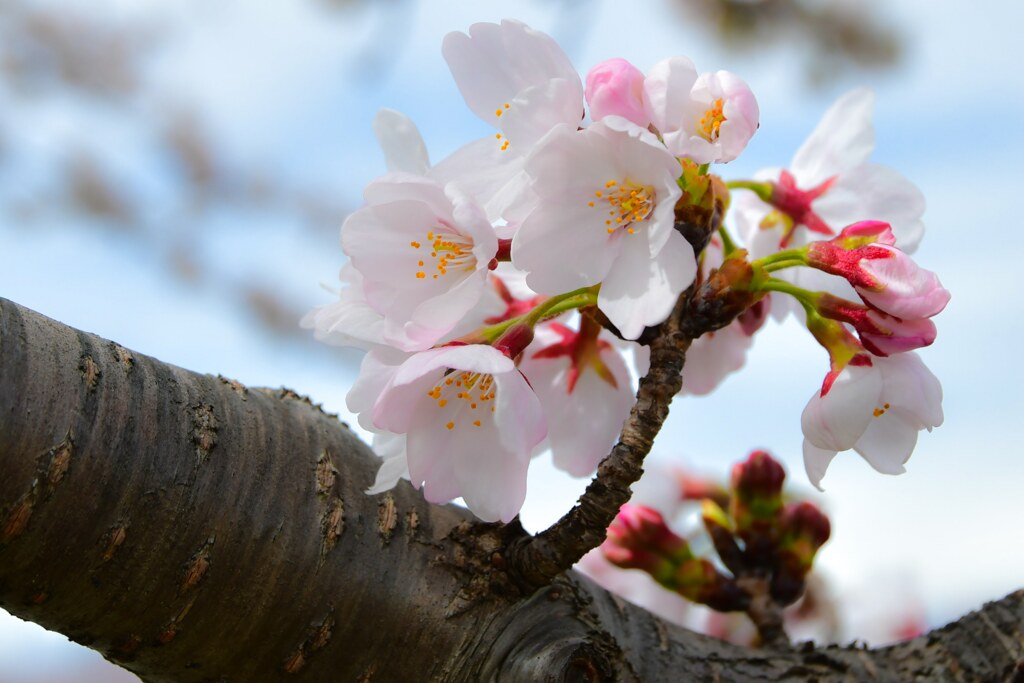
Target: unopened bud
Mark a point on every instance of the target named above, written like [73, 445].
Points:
[514, 340]
[758, 479]
[640, 539]
[804, 529]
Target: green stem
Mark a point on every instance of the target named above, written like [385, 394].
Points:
[728, 245]
[703, 169]
[785, 263]
[805, 297]
[762, 190]
[549, 308]
[561, 303]
[791, 257]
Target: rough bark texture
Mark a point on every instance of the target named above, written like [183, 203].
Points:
[194, 530]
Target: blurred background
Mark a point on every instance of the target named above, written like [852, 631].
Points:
[173, 176]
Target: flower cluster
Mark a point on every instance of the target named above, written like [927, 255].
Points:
[499, 291]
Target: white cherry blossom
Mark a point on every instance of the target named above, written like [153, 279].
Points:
[604, 213]
[423, 251]
[830, 184]
[706, 118]
[585, 390]
[471, 423]
[875, 410]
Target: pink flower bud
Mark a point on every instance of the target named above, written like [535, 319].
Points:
[515, 340]
[884, 277]
[616, 88]
[638, 538]
[880, 334]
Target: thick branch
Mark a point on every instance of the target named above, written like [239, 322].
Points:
[193, 530]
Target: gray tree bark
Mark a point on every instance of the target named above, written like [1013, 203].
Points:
[191, 529]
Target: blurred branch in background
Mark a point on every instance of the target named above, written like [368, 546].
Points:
[837, 35]
[75, 63]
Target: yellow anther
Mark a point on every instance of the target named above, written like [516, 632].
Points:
[712, 121]
[476, 422]
[450, 425]
[414, 244]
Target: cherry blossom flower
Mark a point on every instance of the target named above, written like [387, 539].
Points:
[423, 251]
[616, 88]
[706, 118]
[585, 390]
[471, 423]
[829, 184]
[604, 213]
[875, 410]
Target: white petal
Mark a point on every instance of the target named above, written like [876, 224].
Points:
[401, 142]
[564, 247]
[873, 192]
[843, 139]
[816, 462]
[667, 91]
[887, 443]
[391, 448]
[641, 291]
[496, 62]
[837, 420]
[912, 388]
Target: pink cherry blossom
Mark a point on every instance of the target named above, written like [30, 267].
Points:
[616, 88]
[604, 213]
[875, 410]
[706, 118]
[423, 252]
[585, 390]
[471, 423]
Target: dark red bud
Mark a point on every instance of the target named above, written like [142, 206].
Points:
[761, 476]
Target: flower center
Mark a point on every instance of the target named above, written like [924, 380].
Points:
[461, 389]
[627, 202]
[712, 121]
[448, 250]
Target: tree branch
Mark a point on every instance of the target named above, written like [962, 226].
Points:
[194, 530]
